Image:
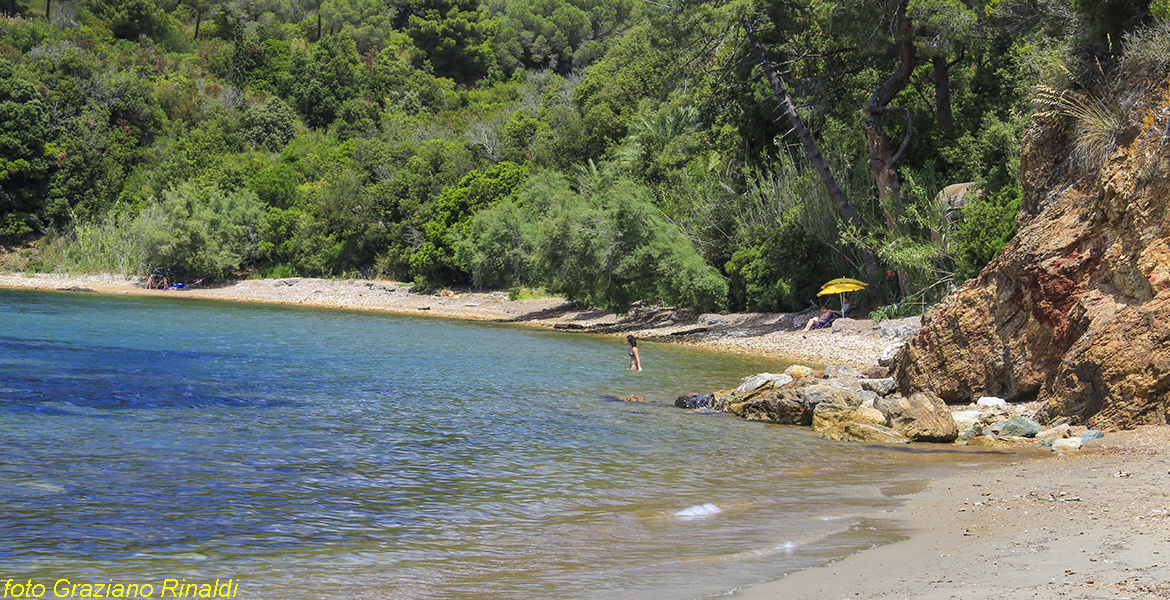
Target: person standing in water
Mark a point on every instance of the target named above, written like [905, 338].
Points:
[635, 357]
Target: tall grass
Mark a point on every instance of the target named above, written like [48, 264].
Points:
[1097, 121]
[110, 244]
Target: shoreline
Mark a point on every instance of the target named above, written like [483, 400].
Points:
[853, 342]
[1089, 524]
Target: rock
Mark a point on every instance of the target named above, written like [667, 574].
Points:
[867, 397]
[869, 414]
[865, 433]
[922, 417]
[1075, 312]
[1066, 444]
[968, 419]
[1060, 431]
[955, 197]
[693, 401]
[799, 371]
[876, 373]
[783, 407]
[634, 398]
[889, 354]
[755, 382]
[848, 325]
[1092, 434]
[1016, 427]
[991, 401]
[897, 328]
[817, 394]
[832, 371]
[881, 387]
[828, 414]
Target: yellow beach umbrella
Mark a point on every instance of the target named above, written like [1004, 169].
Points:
[842, 285]
[858, 284]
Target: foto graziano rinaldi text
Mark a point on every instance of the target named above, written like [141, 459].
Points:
[169, 588]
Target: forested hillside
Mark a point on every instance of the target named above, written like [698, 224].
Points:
[703, 154]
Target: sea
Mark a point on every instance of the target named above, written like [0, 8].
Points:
[301, 453]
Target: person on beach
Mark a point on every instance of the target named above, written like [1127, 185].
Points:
[826, 314]
[635, 357]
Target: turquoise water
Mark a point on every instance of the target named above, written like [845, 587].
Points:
[323, 453]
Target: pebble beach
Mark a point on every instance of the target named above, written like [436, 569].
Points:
[1094, 523]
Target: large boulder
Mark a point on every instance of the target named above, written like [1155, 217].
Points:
[784, 407]
[1016, 427]
[922, 417]
[1076, 310]
[824, 393]
[755, 382]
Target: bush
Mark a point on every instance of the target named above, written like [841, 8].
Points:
[778, 269]
[452, 213]
[608, 249]
[200, 231]
[986, 227]
[270, 125]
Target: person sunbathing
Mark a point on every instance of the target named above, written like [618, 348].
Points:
[819, 321]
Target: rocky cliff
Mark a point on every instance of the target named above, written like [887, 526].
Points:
[1076, 311]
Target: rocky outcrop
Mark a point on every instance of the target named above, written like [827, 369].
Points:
[922, 417]
[1076, 311]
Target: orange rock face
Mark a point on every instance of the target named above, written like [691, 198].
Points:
[1076, 311]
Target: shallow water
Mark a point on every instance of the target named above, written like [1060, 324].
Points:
[323, 453]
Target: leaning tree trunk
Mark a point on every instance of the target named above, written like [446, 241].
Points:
[881, 159]
[942, 94]
[806, 140]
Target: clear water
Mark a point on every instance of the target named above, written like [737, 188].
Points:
[323, 453]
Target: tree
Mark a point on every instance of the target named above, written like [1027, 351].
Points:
[812, 152]
[270, 125]
[200, 8]
[23, 129]
[454, 37]
[328, 79]
[451, 215]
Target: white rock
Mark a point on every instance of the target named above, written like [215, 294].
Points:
[889, 351]
[799, 371]
[755, 382]
[966, 419]
[1066, 444]
[882, 387]
[991, 401]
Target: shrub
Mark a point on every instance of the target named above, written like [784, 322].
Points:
[608, 249]
[200, 231]
[985, 229]
[778, 269]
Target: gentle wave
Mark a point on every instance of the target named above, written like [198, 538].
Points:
[698, 511]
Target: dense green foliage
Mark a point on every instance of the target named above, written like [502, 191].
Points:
[610, 150]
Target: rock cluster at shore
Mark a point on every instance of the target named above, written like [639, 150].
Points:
[842, 402]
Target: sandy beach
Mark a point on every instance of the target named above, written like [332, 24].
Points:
[1089, 524]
